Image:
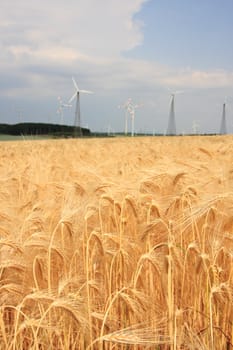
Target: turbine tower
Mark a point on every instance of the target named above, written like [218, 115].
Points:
[77, 120]
[223, 127]
[171, 128]
[60, 109]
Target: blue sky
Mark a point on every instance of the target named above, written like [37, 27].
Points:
[184, 33]
[188, 33]
[118, 49]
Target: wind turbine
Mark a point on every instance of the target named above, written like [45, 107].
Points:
[126, 107]
[77, 120]
[60, 109]
[195, 127]
[131, 110]
[171, 128]
[223, 127]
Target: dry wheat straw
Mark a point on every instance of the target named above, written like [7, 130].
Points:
[129, 253]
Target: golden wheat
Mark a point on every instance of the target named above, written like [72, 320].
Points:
[131, 251]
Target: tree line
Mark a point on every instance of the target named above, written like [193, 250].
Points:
[43, 129]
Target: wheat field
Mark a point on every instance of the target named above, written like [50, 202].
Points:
[121, 243]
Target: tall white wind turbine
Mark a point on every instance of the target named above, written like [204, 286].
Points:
[131, 109]
[171, 128]
[195, 127]
[126, 107]
[223, 126]
[60, 109]
[77, 120]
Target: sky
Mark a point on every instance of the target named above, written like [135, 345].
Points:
[119, 49]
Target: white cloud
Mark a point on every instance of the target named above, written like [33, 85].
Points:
[200, 79]
[48, 36]
[43, 43]
[86, 36]
[92, 27]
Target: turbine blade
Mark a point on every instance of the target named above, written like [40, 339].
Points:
[86, 91]
[72, 98]
[66, 105]
[75, 84]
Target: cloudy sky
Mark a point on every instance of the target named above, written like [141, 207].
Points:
[142, 49]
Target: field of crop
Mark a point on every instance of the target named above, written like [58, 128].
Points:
[122, 243]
